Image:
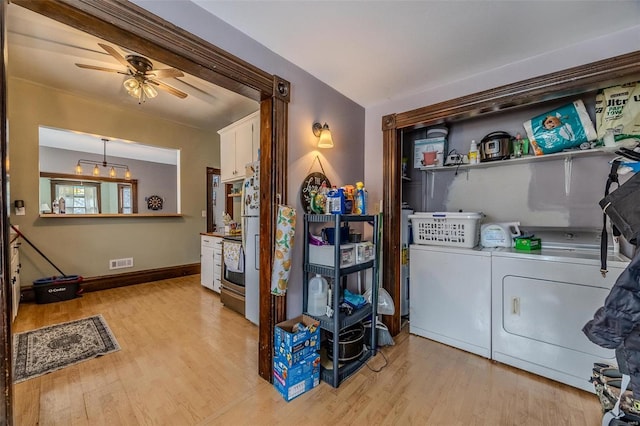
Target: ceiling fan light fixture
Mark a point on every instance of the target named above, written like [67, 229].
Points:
[149, 91]
[141, 78]
[131, 84]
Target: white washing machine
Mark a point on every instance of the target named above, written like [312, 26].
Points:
[451, 296]
[540, 302]
[405, 241]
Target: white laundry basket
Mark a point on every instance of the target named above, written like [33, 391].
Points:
[446, 228]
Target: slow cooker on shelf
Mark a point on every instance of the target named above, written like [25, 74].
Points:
[350, 343]
[495, 146]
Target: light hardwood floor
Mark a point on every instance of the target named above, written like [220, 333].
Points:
[187, 360]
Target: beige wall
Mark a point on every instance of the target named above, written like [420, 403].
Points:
[84, 245]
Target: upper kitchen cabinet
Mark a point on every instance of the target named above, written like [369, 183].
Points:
[239, 144]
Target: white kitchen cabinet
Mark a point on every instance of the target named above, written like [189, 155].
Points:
[540, 303]
[217, 264]
[239, 144]
[210, 262]
[451, 297]
[15, 277]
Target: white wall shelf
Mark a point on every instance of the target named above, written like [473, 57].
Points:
[578, 153]
[568, 157]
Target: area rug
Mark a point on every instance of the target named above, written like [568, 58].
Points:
[51, 348]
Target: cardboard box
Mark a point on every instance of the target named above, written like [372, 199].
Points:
[426, 145]
[325, 255]
[528, 244]
[292, 381]
[292, 343]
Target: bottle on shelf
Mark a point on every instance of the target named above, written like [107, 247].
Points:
[361, 199]
[517, 147]
[349, 199]
[55, 208]
[62, 206]
[473, 153]
[317, 296]
[405, 255]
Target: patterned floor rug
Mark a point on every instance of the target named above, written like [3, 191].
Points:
[51, 348]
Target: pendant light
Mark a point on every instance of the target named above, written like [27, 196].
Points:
[104, 163]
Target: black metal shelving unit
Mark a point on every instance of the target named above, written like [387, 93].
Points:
[339, 321]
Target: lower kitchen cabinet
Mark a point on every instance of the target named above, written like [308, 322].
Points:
[210, 262]
[451, 297]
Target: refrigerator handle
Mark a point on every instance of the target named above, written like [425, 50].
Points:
[256, 258]
[242, 195]
[243, 230]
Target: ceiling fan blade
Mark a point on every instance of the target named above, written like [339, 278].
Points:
[169, 89]
[93, 67]
[113, 52]
[165, 73]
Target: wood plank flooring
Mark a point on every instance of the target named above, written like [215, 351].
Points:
[187, 360]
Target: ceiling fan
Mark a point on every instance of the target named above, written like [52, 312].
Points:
[143, 79]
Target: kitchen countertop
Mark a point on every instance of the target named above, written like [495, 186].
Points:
[213, 234]
[222, 235]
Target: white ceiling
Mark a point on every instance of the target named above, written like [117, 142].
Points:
[85, 142]
[44, 51]
[400, 47]
[372, 51]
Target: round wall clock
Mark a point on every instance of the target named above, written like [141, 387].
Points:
[154, 202]
[311, 183]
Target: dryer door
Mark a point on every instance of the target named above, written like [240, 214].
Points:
[553, 312]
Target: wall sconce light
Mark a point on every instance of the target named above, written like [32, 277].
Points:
[19, 206]
[323, 132]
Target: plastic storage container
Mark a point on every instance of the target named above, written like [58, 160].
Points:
[365, 251]
[317, 296]
[446, 229]
[56, 289]
[324, 255]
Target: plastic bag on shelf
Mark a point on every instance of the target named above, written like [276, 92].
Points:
[385, 302]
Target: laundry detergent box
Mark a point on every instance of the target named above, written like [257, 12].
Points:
[296, 338]
[294, 380]
[436, 146]
[528, 244]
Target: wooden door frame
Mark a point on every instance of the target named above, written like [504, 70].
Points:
[6, 293]
[557, 85]
[135, 28]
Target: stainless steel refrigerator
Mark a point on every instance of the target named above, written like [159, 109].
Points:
[250, 213]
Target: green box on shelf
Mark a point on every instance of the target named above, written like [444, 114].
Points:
[295, 339]
[528, 244]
